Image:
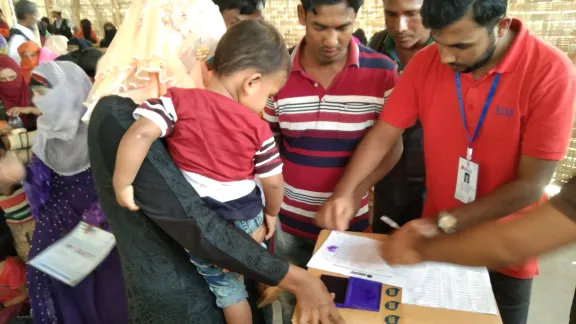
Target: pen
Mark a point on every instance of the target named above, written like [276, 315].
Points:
[389, 222]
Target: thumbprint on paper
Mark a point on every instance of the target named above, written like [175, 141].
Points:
[332, 248]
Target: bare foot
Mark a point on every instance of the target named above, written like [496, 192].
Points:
[268, 294]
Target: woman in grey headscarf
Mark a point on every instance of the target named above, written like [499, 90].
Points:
[61, 193]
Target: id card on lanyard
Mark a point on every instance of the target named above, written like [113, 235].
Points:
[467, 180]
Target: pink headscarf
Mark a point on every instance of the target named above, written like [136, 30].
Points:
[47, 55]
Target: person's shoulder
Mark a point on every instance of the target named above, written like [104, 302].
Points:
[369, 58]
[544, 56]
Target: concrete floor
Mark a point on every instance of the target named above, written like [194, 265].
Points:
[554, 288]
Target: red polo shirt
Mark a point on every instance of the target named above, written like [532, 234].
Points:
[532, 114]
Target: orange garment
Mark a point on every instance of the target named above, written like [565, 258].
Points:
[5, 32]
[80, 34]
[30, 55]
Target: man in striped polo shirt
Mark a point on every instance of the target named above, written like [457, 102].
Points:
[333, 95]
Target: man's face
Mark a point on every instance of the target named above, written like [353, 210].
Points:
[31, 20]
[55, 15]
[403, 22]
[233, 16]
[328, 30]
[465, 46]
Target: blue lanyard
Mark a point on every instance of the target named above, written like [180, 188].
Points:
[482, 115]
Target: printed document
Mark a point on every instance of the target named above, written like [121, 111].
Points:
[453, 287]
[358, 256]
[430, 284]
[76, 255]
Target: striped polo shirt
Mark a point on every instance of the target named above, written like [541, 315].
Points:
[320, 128]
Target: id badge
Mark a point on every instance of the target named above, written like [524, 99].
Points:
[467, 181]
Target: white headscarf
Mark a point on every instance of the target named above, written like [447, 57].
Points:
[61, 140]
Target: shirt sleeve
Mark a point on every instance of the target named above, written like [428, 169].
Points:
[401, 103]
[267, 160]
[550, 117]
[271, 116]
[565, 201]
[161, 111]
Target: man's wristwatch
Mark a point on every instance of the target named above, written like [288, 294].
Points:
[447, 222]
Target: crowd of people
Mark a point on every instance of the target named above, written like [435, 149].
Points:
[216, 154]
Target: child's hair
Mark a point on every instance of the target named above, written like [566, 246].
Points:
[251, 44]
[88, 60]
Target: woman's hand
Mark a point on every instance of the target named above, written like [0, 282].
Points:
[314, 303]
[17, 111]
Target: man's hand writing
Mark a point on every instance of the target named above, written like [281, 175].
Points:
[402, 247]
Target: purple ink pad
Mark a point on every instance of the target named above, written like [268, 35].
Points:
[332, 248]
[363, 294]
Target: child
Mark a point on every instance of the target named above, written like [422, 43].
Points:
[220, 144]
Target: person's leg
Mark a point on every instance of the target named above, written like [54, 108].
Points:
[512, 297]
[297, 251]
[229, 290]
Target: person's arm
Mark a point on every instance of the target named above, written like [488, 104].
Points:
[544, 141]
[132, 151]
[154, 121]
[533, 177]
[543, 229]
[271, 117]
[268, 168]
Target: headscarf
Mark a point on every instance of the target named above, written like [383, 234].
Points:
[109, 33]
[61, 139]
[13, 93]
[158, 46]
[3, 46]
[28, 63]
[47, 55]
[80, 42]
[57, 44]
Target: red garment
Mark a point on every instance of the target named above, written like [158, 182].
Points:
[532, 115]
[212, 135]
[16, 93]
[12, 278]
[13, 93]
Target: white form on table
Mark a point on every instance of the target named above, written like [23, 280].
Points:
[428, 284]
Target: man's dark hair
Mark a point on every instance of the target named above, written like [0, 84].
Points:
[70, 57]
[88, 60]
[437, 14]
[311, 5]
[23, 8]
[251, 44]
[245, 7]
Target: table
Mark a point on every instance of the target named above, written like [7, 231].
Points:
[393, 312]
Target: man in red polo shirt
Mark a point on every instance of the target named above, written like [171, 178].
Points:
[497, 107]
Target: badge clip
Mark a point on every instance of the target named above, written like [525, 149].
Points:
[469, 154]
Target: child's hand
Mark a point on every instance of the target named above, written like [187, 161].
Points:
[270, 225]
[125, 197]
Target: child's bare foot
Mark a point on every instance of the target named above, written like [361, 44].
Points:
[268, 294]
